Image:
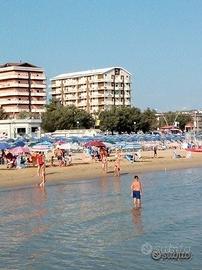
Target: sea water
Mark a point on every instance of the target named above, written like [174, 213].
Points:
[91, 224]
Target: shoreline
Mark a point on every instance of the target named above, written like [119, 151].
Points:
[88, 170]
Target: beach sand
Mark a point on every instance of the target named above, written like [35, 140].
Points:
[84, 168]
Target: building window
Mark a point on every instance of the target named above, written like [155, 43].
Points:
[34, 129]
[112, 84]
[117, 71]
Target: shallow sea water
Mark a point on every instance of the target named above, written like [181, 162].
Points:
[91, 224]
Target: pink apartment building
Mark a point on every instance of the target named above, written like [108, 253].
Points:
[22, 88]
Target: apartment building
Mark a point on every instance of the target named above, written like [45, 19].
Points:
[22, 88]
[93, 90]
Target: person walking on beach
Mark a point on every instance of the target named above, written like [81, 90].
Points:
[155, 151]
[136, 188]
[117, 164]
[41, 168]
[104, 162]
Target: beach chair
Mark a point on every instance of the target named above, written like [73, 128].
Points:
[188, 155]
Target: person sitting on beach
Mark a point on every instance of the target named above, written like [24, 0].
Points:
[175, 155]
[11, 163]
[11, 160]
[67, 159]
[136, 188]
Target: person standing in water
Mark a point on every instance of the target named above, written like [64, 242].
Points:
[136, 188]
[41, 168]
[104, 161]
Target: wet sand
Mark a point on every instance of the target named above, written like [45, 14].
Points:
[84, 168]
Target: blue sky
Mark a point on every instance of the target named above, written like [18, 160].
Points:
[159, 42]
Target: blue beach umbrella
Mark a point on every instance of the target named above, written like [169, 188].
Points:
[19, 144]
[4, 145]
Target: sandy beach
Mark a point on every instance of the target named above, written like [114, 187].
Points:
[84, 168]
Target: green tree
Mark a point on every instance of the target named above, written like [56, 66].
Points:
[184, 119]
[108, 120]
[65, 117]
[128, 119]
[3, 114]
[148, 120]
[172, 117]
[120, 119]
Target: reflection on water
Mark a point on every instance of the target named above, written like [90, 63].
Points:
[137, 220]
[90, 224]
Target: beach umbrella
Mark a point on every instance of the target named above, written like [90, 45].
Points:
[109, 145]
[65, 146]
[45, 146]
[60, 142]
[94, 143]
[10, 140]
[39, 149]
[4, 145]
[19, 143]
[19, 150]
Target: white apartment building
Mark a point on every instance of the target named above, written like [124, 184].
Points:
[93, 90]
[22, 88]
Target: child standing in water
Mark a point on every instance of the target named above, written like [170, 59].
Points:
[136, 188]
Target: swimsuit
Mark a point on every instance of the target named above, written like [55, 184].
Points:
[136, 194]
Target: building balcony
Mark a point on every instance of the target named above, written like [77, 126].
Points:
[70, 83]
[95, 80]
[10, 76]
[39, 102]
[82, 97]
[17, 101]
[16, 109]
[72, 97]
[94, 102]
[21, 85]
[38, 94]
[82, 103]
[38, 85]
[20, 93]
[127, 95]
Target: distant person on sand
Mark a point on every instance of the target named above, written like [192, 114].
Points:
[155, 151]
[104, 161]
[117, 164]
[41, 168]
[136, 188]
